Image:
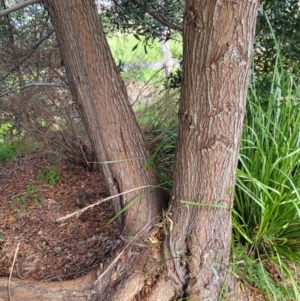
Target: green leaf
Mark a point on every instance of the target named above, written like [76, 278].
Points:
[137, 37]
[135, 47]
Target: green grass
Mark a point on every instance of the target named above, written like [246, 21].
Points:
[266, 213]
[253, 271]
[158, 121]
[11, 150]
[122, 49]
[137, 73]
[131, 58]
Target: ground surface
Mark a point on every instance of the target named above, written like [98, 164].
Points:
[29, 209]
[35, 246]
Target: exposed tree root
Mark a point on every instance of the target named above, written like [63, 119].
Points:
[162, 291]
[136, 271]
[114, 286]
[81, 289]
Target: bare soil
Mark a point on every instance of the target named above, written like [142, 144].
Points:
[33, 245]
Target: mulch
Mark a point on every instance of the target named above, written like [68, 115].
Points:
[36, 246]
[32, 243]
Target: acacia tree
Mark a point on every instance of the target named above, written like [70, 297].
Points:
[217, 48]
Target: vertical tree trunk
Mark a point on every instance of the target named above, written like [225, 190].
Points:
[167, 58]
[102, 99]
[218, 39]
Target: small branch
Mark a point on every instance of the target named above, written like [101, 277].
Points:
[33, 50]
[77, 213]
[37, 84]
[11, 271]
[157, 16]
[19, 6]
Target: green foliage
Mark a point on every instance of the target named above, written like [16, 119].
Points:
[267, 199]
[277, 31]
[140, 73]
[126, 17]
[266, 214]
[49, 174]
[122, 50]
[133, 62]
[29, 194]
[6, 131]
[280, 19]
[10, 150]
[158, 121]
[253, 271]
[268, 182]
[276, 18]
[174, 80]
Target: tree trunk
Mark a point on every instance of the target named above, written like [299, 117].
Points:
[218, 39]
[167, 57]
[102, 100]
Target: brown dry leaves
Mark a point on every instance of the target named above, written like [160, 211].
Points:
[29, 209]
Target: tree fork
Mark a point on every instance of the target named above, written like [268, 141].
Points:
[218, 38]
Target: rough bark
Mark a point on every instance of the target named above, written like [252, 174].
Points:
[218, 39]
[103, 102]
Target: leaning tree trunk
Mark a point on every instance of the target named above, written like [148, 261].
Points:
[218, 39]
[102, 100]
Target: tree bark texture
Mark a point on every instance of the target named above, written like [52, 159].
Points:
[102, 100]
[218, 39]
